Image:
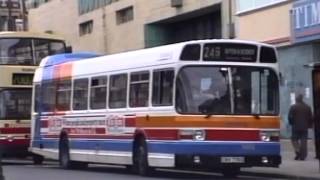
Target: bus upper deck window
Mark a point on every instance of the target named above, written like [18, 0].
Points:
[268, 55]
[191, 52]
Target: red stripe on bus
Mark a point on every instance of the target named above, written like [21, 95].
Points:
[233, 135]
[16, 130]
[15, 142]
[79, 136]
[130, 122]
[162, 134]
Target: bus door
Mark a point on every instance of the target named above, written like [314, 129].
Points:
[316, 107]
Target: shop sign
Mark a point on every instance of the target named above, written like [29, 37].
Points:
[305, 20]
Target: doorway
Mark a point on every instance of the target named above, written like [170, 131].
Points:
[316, 107]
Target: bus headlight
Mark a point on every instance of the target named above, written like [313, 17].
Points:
[10, 138]
[268, 136]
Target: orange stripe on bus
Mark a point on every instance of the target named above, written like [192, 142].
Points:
[272, 122]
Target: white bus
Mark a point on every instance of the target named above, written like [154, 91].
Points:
[205, 103]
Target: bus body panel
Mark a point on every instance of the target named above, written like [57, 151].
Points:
[173, 139]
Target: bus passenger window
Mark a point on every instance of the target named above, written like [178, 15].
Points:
[63, 95]
[139, 89]
[98, 93]
[80, 94]
[48, 93]
[118, 91]
[37, 98]
[162, 87]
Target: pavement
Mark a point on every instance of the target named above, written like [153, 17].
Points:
[290, 168]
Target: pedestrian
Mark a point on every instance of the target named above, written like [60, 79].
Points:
[300, 119]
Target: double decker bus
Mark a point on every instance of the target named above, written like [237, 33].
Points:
[20, 54]
[197, 104]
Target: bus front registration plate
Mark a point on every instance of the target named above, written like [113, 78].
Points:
[232, 159]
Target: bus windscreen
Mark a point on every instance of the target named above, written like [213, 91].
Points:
[28, 51]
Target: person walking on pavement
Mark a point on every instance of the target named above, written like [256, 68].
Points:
[300, 119]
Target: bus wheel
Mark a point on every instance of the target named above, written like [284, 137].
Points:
[140, 159]
[231, 172]
[64, 155]
[37, 159]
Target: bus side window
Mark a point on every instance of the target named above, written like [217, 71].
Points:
[80, 94]
[37, 98]
[98, 92]
[162, 87]
[118, 91]
[139, 89]
[63, 95]
[48, 95]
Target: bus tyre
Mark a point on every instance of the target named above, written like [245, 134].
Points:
[231, 172]
[37, 159]
[64, 156]
[140, 159]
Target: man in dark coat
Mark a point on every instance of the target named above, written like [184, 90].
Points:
[300, 118]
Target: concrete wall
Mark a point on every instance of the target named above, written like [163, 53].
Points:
[296, 78]
[61, 17]
[269, 23]
[44, 19]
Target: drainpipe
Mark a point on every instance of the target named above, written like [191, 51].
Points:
[231, 24]
[11, 25]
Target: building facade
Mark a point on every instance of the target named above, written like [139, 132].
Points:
[294, 27]
[12, 15]
[111, 26]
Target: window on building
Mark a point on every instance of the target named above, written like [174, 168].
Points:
[162, 87]
[36, 3]
[139, 89]
[124, 15]
[118, 91]
[86, 28]
[63, 95]
[3, 23]
[246, 5]
[85, 6]
[80, 94]
[98, 92]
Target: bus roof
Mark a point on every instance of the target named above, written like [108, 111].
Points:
[164, 52]
[84, 63]
[68, 57]
[25, 34]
